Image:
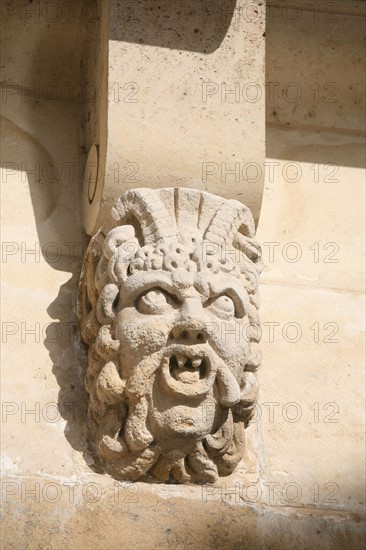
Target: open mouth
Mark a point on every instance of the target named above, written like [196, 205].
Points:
[188, 370]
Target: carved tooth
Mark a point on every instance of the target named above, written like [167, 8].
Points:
[181, 360]
[196, 363]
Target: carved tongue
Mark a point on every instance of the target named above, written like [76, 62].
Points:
[183, 369]
[187, 376]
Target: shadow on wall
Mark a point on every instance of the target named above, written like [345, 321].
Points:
[315, 82]
[42, 158]
[42, 211]
[191, 25]
[317, 146]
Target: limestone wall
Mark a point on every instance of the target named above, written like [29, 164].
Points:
[301, 484]
[312, 232]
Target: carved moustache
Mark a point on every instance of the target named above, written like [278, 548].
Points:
[185, 370]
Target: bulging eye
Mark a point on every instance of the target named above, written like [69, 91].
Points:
[154, 301]
[223, 306]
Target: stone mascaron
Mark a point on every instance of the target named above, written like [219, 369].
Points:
[168, 302]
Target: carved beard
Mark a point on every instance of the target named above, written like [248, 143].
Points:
[174, 419]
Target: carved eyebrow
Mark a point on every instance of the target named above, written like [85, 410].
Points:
[235, 291]
[142, 281]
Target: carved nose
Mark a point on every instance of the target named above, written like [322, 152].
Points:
[188, 334]
[191, 328]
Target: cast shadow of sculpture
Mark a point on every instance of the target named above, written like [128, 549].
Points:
[62, 340]
[191, 25]
[44, 209]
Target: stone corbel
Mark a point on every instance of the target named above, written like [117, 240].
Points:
[179, 102]
[168, 296]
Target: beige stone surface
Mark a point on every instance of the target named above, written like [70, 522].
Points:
[314, 64]
[311, 227]
[40, 251]
[312, 391]
[105, 516]
[312, 232]
[172, 117]
[41, 369]
[43, 63]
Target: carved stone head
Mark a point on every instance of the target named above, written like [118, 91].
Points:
[168, 303]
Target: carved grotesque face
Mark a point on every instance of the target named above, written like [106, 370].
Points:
[173, 400]
[185, 336]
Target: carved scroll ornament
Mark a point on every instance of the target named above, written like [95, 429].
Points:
[168, 302]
